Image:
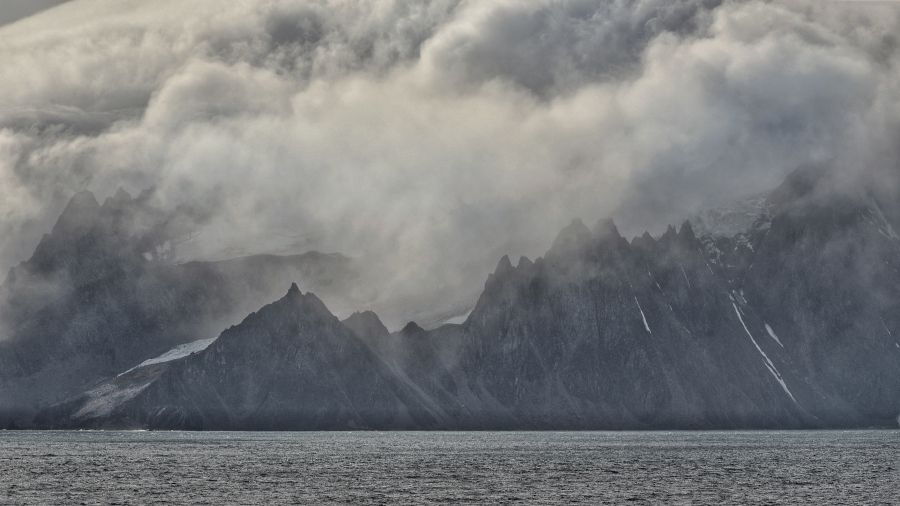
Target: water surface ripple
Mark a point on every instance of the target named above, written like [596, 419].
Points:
[855, 467]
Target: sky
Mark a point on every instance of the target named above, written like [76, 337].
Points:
[13, 10]
[430, 138]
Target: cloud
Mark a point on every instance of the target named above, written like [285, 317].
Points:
[14, 10]
[555, 47]
[432, 137]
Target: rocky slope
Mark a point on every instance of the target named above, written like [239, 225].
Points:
[788, 324]
[99, 296]
[292, 364]
[826, 279]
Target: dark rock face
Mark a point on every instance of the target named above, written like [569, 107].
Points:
[603, 333]
[292, 364]
[788, 324]
[826, 279]
[99, 296]
[367, 326]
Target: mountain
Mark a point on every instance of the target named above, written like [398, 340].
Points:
[789, 323]
[826, 279]
[290, 365]
[602, 333]
[732, 220]
[100, 295]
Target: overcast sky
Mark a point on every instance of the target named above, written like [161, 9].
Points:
[434, 136]
[12, 10]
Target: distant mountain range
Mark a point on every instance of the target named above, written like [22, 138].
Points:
[98, 296]
[792, 321]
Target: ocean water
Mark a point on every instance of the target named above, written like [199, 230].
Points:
[855, 467]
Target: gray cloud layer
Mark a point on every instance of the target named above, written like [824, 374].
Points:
[14, 10]
[434, 136]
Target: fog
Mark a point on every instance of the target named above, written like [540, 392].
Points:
[430, 138]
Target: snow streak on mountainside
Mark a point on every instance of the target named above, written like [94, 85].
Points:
[180, 351]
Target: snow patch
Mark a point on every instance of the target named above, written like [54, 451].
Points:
[457, 320]
[773, 336]
[883, 324]
[881, 222]
[643, 318]
[175, 353]
[655, 282]
[686, 277]
[103, 400]
[768, 363]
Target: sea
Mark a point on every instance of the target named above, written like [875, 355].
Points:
[215, 468]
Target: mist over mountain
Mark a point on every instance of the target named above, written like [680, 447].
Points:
[168, 168]
[99, 295]
[788, 324]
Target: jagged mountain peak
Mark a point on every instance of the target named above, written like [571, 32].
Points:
[412, 329]
[686, 233]
[524, 263]
[645, 241]
[573, 238]
[577, 239]
[81, 200]
[606, 229]
[278, 369]
[504, 266]
[669, 234]
[295, 306]
[366, 325]
[78, 215]
[309, 302]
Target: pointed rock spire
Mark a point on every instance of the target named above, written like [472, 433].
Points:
[524, 263]
[686, 234]
[669, 235]
[366, 325]
[606, 230]
[83, 200]
[573, 239]
[645, 241]
[306, 304]
[503, 266]
[412, 329]
[79, 214]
